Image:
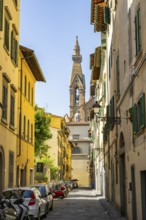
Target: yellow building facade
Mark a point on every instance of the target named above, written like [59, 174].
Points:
[59, 147]
[9, 39]
[29, 73]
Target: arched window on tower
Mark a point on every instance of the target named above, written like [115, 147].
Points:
[77, 96]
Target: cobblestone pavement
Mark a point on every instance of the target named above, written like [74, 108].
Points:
[83, 204]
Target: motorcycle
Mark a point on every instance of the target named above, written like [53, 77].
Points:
[14, 211]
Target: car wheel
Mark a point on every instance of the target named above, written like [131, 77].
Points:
[51, 208]
[46, 211]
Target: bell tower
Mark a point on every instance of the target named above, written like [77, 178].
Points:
[77, 87]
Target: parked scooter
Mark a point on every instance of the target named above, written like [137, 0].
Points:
[15, 211]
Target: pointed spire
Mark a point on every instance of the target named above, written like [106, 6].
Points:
[77, 56]
[76, 48]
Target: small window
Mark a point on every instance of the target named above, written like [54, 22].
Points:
[25, 86]
[118, 75]
[137, 32]
[14, 47]
[29, 91]
[12, 109]
[75, 136]
[5, 99]
[28, 124]
[32, 96]
[24, 127]
[6, 34]
[1, 15]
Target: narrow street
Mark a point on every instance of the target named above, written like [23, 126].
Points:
[83, 204]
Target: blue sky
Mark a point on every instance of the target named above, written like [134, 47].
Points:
[50, 27]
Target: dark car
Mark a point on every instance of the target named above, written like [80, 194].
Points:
[46, 194]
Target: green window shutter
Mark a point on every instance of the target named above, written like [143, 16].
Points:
[105, 130]
[12, 45]
[112, 112]
[134, 116]
[118, 75]
[1, 15]
[142, 111]
[107, 115]
[107, 15]
[6, 35]
[137, 32]
[16, 52]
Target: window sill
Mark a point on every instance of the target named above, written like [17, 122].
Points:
[4, 121]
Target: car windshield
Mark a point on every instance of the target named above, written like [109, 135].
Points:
[26, 193]
[42, 190]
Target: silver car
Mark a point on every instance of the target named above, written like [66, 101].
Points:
[32, 198]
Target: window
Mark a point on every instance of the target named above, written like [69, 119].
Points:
[1, 15]
[118, 75]
[137, 32]
[29, 91]
[32, 133]
[32, 96]
[25, 86]
[28, 130]
[12, 109]
[6, 34]
[11, 168]
[76, 150]
[137, 113]
[5, 99]
[16, 2]
[24, 127]
[75, 136]
[14, 47]
[40, 167]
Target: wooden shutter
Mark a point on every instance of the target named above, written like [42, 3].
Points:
[12, 45]
[142, 111]
[1, 15]
[137, 32]
[118, 75]
[134, 113]
[107, 15]
[91, 60]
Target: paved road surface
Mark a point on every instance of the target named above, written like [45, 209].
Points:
[83, 204]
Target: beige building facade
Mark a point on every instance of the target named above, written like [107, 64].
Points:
[124, 127]
[78, 123]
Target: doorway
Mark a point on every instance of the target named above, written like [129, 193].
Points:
[2, 171]
[122, 185]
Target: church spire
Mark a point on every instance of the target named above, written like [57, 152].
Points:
[77, 58]
[77, 47]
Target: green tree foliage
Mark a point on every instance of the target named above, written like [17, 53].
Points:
[42, 132]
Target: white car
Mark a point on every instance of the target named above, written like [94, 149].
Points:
[32, 198]
[46, 194]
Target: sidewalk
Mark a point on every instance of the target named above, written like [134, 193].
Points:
[112, 212]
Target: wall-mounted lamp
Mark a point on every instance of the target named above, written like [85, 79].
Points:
[113, 120]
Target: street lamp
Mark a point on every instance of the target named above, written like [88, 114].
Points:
[113, 120]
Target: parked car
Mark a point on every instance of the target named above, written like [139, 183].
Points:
[46, 194]
[32, 198]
